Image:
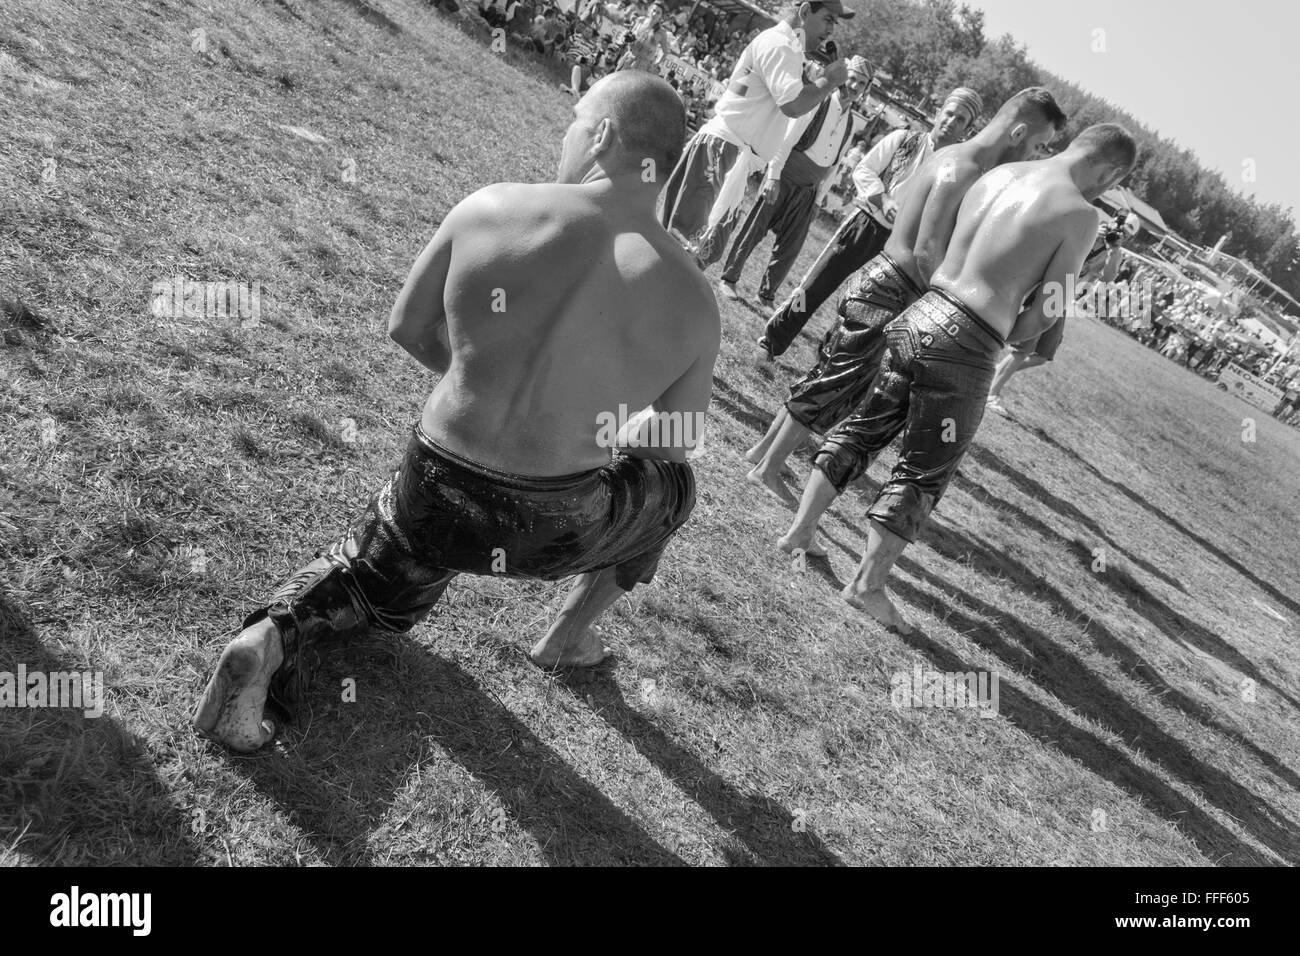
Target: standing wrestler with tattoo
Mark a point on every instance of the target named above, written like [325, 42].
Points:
[506, 471]
[850, 351]
[1019, 226]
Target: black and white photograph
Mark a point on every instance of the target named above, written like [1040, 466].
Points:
[651, 433]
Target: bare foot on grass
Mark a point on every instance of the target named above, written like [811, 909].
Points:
[563, 650]
[775, 485]
[878, 606]
[231, 710]
[791, 542]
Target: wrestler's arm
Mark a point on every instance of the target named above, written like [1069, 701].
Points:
[690, 394]
[905, 239]
[418, 322]
[1066, 261]
[949, 184]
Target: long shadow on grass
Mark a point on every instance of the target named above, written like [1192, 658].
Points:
[1109, 763]
[1173, 624]
[738, 405]
[1080, 688]
[1269, 589]
[957, 547]
[338, 781]
[764, 826]
[1036, 492]
[81, 791]
[1071, 681]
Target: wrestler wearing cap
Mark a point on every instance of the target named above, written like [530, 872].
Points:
[766, 90]
[850, 351]
[796, 180]
[542, 309]
[881, 180]
[1020, 226]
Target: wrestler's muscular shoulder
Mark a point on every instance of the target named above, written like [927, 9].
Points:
[586, 251]
[515, 215]
[661, 284]
[1062, 213]
[953, 162]
[529, 248]
[993, 184]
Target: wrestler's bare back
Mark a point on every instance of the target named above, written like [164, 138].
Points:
[562, 304]
[1020, 224]
[928, 214]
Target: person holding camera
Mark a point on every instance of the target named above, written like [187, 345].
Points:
[647, 41]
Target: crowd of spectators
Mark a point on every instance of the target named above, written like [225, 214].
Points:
[593, 38]
[1182, 323]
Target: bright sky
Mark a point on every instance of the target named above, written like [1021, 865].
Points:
[1217, 78]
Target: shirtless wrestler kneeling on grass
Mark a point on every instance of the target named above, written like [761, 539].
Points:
[544, 308]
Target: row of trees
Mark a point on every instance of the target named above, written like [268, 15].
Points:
[931, 46]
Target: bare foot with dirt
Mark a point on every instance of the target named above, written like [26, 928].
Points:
[231, 710]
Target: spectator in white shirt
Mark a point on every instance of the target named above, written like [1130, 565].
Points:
[766, 91]
[795, 180]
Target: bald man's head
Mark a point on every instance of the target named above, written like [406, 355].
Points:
[647, 121]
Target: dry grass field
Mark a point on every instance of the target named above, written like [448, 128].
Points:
[159, 474]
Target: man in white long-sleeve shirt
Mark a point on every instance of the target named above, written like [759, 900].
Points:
[881, 181]
[767, 89]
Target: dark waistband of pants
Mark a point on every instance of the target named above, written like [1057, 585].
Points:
[559, 484]
[799, 170]
[901, 273]
[959, 314]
